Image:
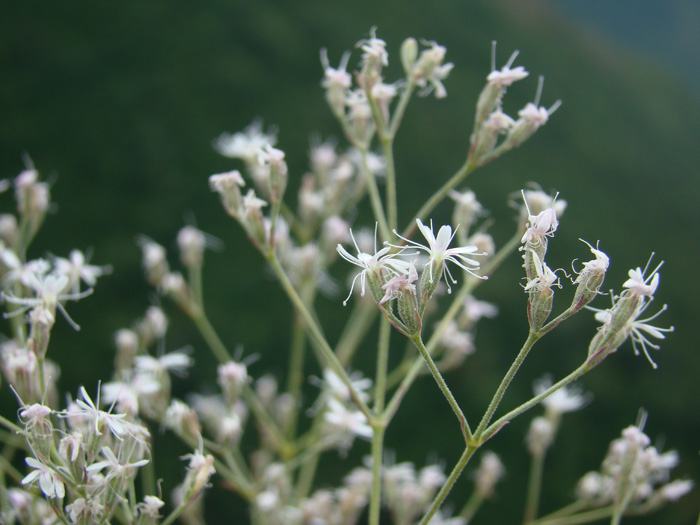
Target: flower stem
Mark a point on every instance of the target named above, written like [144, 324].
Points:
[534, 488]
[573, 376]
[451, 480]
[464, 425]
[505, 382]
[440, 194]
[379, 426]
[315, 331]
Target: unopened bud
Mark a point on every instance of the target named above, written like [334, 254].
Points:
[540, 436]
[191, 242]
[228, 186]
[232, 377]
[590, 279]
[409, 53]
[253, 218]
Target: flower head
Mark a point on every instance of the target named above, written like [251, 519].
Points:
[372, 265]
[439, 253]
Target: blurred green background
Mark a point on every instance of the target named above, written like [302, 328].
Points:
[118, 103]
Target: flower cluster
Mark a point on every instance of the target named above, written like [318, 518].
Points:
[90, 460]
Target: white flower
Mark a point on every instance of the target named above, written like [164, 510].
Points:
[536, 116]
[397, 285]
[150, 506]
[345, 421]
[638, 327]
[339, 390]
[597, 266]
[490, 471]
[372, 263]
[246, 144]
[638, 284]
[506, 76]
[77, 269]
[374, 54]
[117, 469]
[542, 225]
[439, 253]
[335, 78]
[475, 309]
[566, 399]
[49, 481]
[84, 410]
[176, 362]
[545, 279]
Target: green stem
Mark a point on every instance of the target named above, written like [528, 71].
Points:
[464, 425]
[361, 319]
[375, 199]
[391, 205]
[457, 302]
[471, 507]
[379, 425]
[534, 488]
[377, 450]
[496, 425]
[210, 336]
[576, 519]
[295, 376]
[440, 194]
[505, 382]
[401, 108]
[451, 480]
[563, 512]
[315, 331]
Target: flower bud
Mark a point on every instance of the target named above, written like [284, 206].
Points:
[232, 377]
[539, 307]
[228, 186]
[409, 53]
[253, 218]
[274, 159]
[590, 279]
[191, 242]
[540, 436]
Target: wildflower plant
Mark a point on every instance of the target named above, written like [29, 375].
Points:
[89, 459]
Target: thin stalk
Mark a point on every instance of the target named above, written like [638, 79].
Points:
[534, 488]
[505, 382]
[576, 519]
[309, 464]
[377, 450]
[379, 426]
[375, 199]
[391, 204]
[451, 480]
[283, 447]
[361, 319]
[295, 376]
[568, 510]
[210, 336]
[466, 289]
[496, 425]
[315, 331]
[401, 108]
[440, 194]
[464, 425]
[471, 507]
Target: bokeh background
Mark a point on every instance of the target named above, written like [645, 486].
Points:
[118, 103]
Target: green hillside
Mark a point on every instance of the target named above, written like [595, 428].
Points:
[118, 104]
